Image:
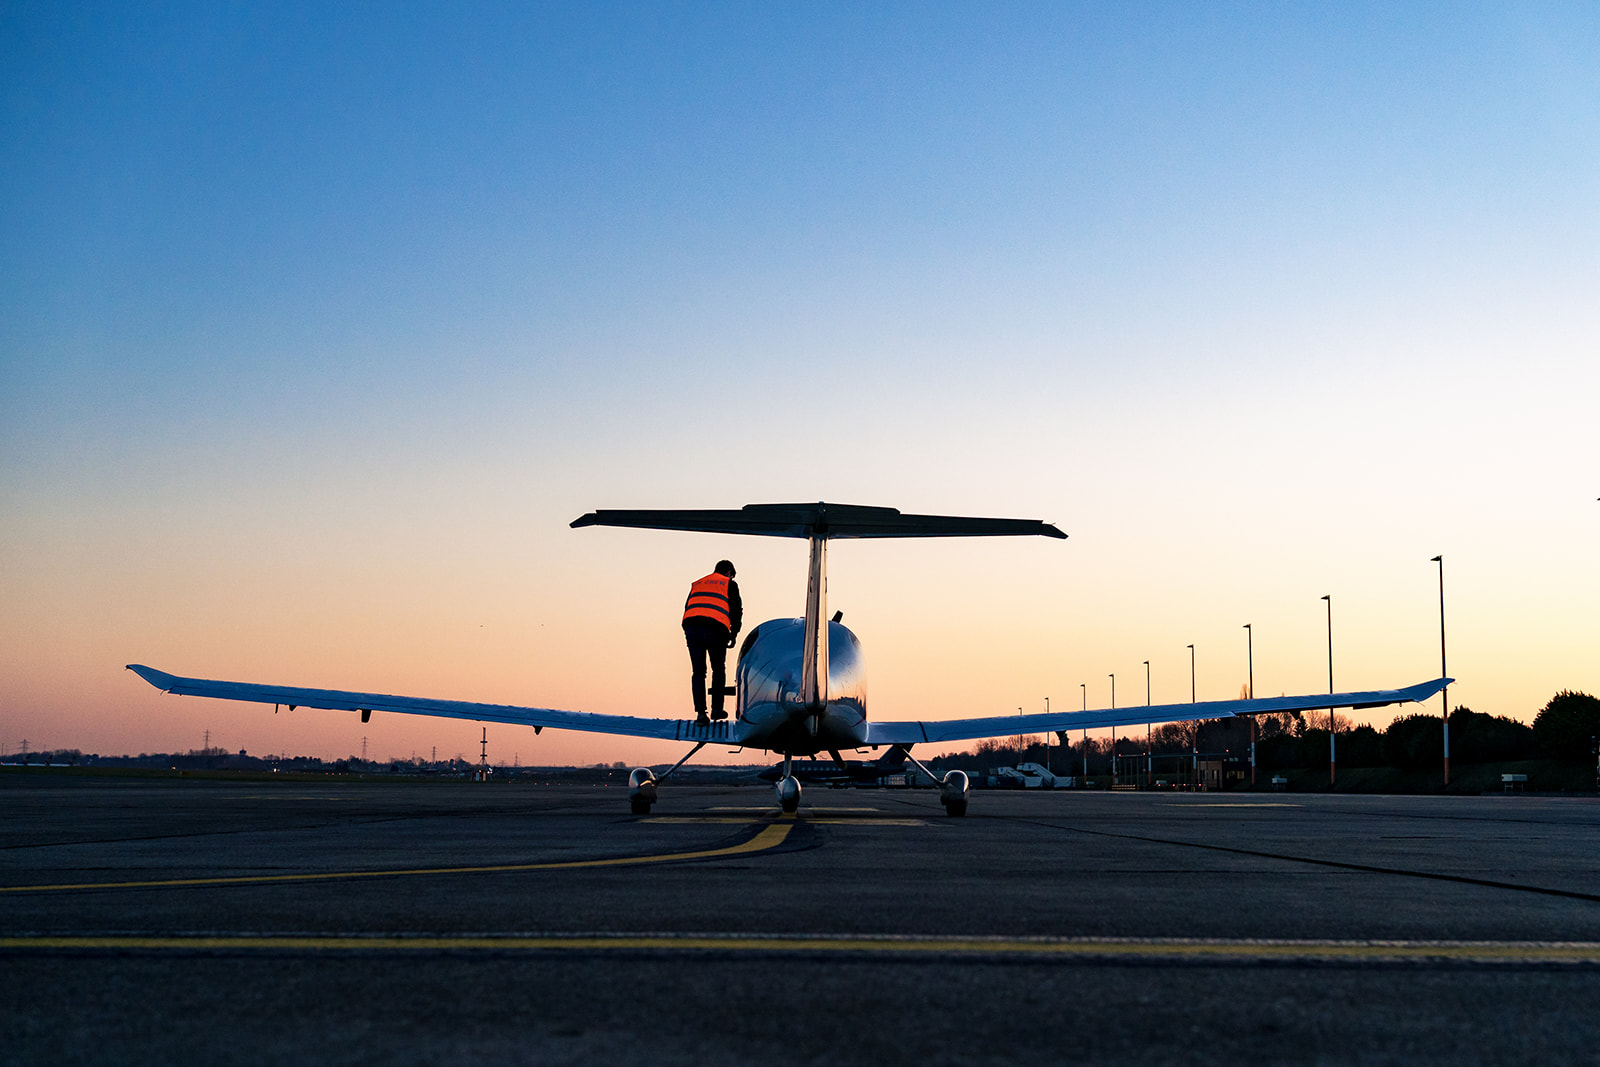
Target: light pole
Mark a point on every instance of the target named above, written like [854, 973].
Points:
[1085, 687]
[1332, 732]
[1047, 738]
[1113, 678]
[1019, 740]
[1250, 661]
[1444, 693]
[1149, 760]
[1195, 770]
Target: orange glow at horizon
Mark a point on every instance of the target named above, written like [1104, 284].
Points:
[950, 628]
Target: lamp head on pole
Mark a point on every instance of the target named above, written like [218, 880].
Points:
[1437, 559]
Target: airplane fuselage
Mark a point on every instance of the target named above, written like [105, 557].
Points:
[772, 713]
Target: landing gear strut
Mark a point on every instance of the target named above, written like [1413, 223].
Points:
[953, 786]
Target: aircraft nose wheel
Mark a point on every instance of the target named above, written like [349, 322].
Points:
[789, 794]
[955, 808]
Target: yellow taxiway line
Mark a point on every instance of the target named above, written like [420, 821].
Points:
[810, 819]
[771, 836]
[1174, 949]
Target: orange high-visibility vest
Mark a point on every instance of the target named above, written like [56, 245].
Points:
[708, 599]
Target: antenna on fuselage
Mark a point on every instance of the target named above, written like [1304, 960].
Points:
[818, 523]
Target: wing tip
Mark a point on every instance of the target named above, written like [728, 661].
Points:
[160, 679]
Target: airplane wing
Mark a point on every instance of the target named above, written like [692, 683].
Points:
[918, 732]
[340, 700]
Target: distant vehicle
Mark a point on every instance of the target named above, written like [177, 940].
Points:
[1034, 776]
[800, 683]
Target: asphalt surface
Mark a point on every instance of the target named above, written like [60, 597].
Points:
[354, 922]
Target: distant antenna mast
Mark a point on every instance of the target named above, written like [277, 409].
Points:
[363, 748]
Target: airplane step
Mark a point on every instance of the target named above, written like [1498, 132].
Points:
[716, 730]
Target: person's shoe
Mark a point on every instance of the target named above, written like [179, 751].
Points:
[719, 714]
[701, 720]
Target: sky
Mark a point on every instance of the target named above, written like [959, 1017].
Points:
[320, 323]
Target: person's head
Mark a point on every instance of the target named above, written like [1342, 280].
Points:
[724, 567]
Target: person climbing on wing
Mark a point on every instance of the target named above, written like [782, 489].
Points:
[711, 619]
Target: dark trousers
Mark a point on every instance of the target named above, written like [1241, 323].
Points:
[707, 638]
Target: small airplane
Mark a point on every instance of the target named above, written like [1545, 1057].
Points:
[800, 684]
[841, 772]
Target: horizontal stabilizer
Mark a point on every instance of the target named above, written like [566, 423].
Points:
[939, 731]
[819, 520]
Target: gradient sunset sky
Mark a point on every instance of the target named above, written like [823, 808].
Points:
[319, 323]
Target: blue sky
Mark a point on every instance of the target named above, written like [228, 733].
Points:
[357, 308]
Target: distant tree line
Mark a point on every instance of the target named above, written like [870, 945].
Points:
[218, 759]
[1564, 729]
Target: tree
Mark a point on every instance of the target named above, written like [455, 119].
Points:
[1361, 747]
[1414, 741]
[1174, 737]
[1357, 747]
[1476, 738]
[1566, 724]
[1278, 723]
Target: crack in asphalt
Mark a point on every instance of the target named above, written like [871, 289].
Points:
[1366, 868]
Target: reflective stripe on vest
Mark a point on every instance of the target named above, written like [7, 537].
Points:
[708, 599]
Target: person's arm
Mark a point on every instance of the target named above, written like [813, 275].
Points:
[735, 611]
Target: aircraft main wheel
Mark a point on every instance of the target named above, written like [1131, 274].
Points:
[955, 807]
[790, 806]
[641, 807]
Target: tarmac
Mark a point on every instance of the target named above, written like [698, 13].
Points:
[167, 920]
